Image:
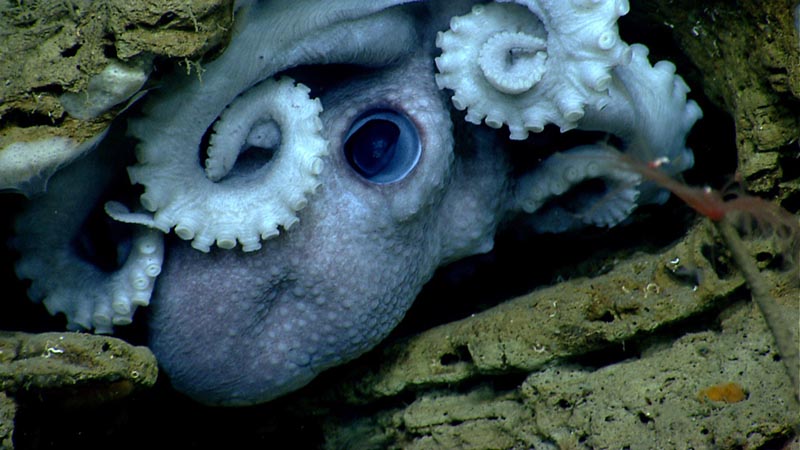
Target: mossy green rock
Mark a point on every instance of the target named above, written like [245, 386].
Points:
[62, 361]
[748, 54]
[67, 370]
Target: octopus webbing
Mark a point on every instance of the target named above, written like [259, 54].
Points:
[294, 201]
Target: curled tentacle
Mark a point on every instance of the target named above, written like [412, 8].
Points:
[212, 206]
[528, 67]
[513, 62]
[230, 138]
[212, 200]
[582, 186]
[51, 235]
[648, 110]
[90, 298]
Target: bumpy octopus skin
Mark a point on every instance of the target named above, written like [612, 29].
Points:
[271, 276]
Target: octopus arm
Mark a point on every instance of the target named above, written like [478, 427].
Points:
[245, 109]
[531, 63]
[648, 110]
[205, 210]
[65, 281]
[560, 196]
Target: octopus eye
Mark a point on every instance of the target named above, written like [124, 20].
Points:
[382, 146]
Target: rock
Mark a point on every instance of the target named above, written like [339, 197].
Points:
[749, 60]
[51, 54]
[7, 411]
[67, 370]
[99, 368]
[656, 399]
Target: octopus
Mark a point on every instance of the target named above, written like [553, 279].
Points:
[279, 215]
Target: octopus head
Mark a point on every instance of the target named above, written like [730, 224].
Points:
[335, 179]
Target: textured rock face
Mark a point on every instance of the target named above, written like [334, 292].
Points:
[67, 371]
[762, 100]
[7, 411]
[42, 364]
[51, 52]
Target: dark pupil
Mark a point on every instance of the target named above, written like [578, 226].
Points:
[371, 148]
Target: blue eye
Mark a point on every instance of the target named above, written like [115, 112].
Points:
[382, 146]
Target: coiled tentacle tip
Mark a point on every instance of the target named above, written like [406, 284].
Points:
[530, 63]
[200, 204]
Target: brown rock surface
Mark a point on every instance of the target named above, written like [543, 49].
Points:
[50, 48]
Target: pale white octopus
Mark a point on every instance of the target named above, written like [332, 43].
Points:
[322, 142]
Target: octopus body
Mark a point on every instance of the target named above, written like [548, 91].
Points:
[296, 199]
